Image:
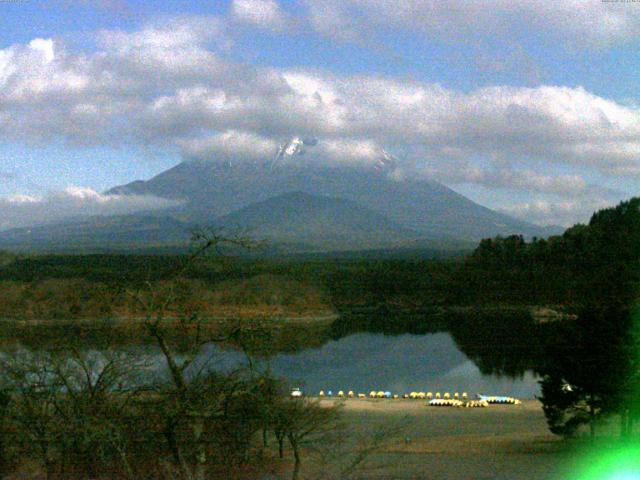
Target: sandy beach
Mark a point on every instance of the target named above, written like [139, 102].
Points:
[498, 442]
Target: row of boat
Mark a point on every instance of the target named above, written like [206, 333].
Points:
[482, 401]
[437, 399]
[387, 394]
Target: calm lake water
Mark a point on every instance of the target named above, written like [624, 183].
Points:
[368, 360]
[371, 361]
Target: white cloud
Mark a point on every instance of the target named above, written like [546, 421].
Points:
[546, 124]
[262, 13]
[179, 33]
[159, 86]
[579, 23]
[73, 202]
[503, 175]
[19, 199]
[354, 152]
[565, 212]
[167, 85]
[45, 47]
[231, 144]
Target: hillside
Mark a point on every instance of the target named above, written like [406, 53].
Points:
[322, 222]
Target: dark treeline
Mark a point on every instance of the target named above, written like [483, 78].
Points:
[338, 284]
[589, 359]
[501, 271]
[587, 264]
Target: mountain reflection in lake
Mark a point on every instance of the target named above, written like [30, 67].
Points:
[383, 352]
[371, 361]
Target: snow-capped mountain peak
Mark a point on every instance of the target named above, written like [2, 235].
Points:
[298, 146]
[294, 146]
[288, 149]
[386, 161]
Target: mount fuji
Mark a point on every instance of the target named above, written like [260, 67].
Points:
[294, 199]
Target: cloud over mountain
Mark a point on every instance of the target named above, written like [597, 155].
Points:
[557, 213]
[25, 210]
[169, 85]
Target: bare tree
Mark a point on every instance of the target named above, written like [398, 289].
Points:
[97, 391]
[305, 424]
[68, 408]
[31, 382]
[187, 396]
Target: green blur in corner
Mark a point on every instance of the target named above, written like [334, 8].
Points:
[616, 464]
[622, 462]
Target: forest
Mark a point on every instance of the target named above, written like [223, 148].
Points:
[586, 261]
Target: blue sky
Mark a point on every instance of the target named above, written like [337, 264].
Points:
[529, 107]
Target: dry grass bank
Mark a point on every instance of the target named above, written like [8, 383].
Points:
[70, 299]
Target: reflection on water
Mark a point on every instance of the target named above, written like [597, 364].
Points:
[383, 351]
[366, 361]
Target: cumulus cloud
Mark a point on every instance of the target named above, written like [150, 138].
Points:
[231, 144]
[524, 180]
[44, 47]
[546, 124]
[187, 33]
[262, 13]
[576, 21]
[168, 85]
[161, 86]
[354, 152]
[73, 202]
[564, 212]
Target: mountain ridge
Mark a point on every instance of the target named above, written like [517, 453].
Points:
[213, 189]
[297, 204]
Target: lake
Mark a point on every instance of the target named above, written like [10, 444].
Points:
[465, 354]
[373, 361]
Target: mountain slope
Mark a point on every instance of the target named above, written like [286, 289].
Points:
[326, 223]
[99, 233]
[214, 189]
[293, 200]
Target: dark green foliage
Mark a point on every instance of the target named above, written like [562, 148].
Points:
[588, 264]
[596, 355]
[6, 258]
[588, 369]
[349, 283]
[592, 273]
[5, 400]
[101, 268]
[564, 409]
